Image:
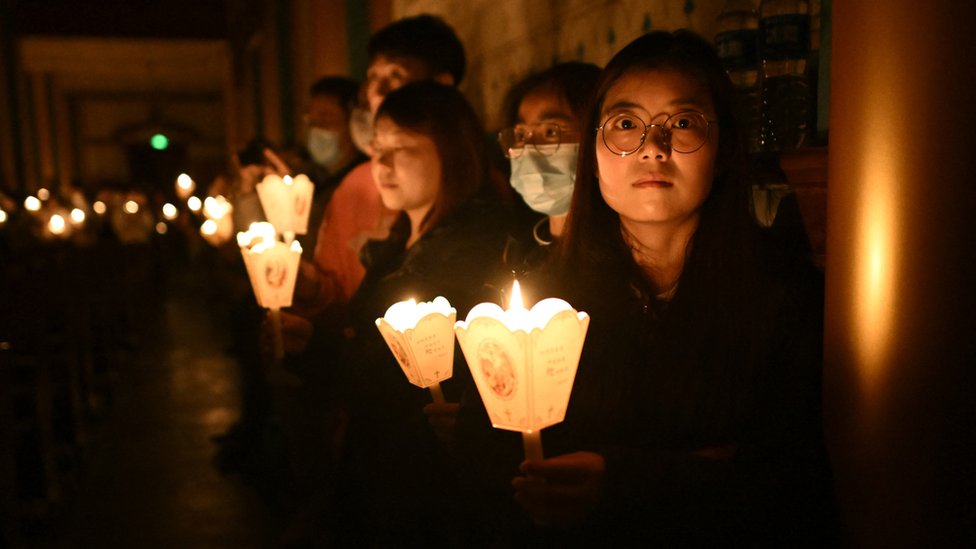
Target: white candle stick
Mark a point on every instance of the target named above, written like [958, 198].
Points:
[436, 394]
[532, 444]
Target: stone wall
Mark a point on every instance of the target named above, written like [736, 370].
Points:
[507, 39]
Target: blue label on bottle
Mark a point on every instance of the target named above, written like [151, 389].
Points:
[785, 36]
[738, 49]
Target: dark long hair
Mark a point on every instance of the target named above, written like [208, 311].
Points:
[574, 81]
[441, 113]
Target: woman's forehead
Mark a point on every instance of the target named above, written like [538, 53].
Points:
[657, 90]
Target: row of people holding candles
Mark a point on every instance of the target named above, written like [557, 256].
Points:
[672, 354]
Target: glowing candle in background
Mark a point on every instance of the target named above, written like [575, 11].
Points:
[272, 267]
[43, 194]
[169, 211]
[77, 216]
[131, 207]
[421, 337]
[185, 186]
[56, 225]
[194, 203]
[287, 203]
[99, 207]
[219, 226]
[32, 204]
[524, 362]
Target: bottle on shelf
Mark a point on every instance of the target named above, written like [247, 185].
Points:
[784, 34]
[737, 43]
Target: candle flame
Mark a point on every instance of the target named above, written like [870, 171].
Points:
[169, 211]
[161, 228]
[56, 224]
[184, 181]
[43, 193]
[516, 301]
[208, 228]
[131, 206]
[31, 203]
[194, 203]
[77, 216]
[99, 207]
[3, 216]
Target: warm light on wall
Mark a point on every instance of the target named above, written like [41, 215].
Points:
[875, 257]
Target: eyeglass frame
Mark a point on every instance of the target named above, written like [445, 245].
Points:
[559, 139]
[666, 132]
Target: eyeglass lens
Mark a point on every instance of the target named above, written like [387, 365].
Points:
[514, 140]
[684, 132]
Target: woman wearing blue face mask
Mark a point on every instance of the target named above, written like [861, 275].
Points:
[541, 142]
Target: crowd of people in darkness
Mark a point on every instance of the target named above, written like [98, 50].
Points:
[625, 190]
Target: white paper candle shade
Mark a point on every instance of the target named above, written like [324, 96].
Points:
[287, 202]
[524, 362]
[273, 270]
[421, 337]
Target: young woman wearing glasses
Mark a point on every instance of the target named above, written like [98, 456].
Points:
[695, 414]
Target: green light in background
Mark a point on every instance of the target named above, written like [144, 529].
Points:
[159, 142]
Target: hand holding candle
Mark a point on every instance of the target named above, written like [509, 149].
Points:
[524, 362]
[420, 337]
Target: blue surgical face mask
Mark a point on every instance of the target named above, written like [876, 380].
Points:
[323, 146]
[546, 182]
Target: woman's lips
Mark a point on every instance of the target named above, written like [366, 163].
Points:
[652, 183]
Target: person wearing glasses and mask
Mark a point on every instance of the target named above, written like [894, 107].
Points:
[541, 142]
[695, 417]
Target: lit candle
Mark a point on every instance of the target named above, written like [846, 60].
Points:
[56, 224]
[32, 204]
[194, 203]
[99, 207]
[169, 211]
[286, 202]
[185, 186]
[524, 362]
[77, 216]
[421, 338]
[272, 267]
[219, 225]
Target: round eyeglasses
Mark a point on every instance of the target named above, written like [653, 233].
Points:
[683, 132]
[514, 140]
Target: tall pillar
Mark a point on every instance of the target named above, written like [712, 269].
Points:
[900, 339]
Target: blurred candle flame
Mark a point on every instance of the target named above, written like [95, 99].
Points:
[56, 224]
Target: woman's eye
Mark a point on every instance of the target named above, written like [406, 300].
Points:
[551, 132]
[625, 123]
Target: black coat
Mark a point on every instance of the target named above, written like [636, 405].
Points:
[708, 441]
[397, 488]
